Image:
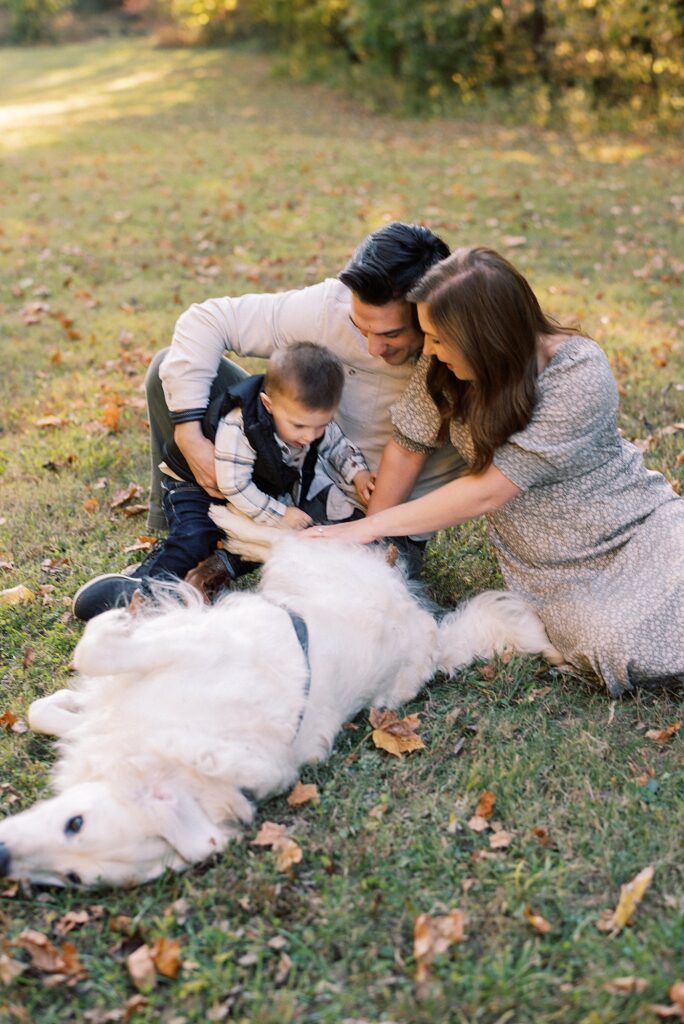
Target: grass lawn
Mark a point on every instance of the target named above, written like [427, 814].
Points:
[135, 181]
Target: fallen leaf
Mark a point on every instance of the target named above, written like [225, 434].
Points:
[395, 735]
[50, 421]
[283, 969]
[514, 241]
[46, 957]
[90, 504]
[141, 969]
[538, 922]
[17, 595]
[287, 853]
[10, 969]
[134, 510]
[286, 850]
[485, 805]
[110, 416]
[72, 919]
[120, 498]
[676, 994]
[541, 834]
[302, 794]
[133, 1005]
[166, 955]
[623, 986]
[434, 935]
[631, 894]
[29, 657]
[478, 824]
[663, 735]
[7, 720]
[500, 840]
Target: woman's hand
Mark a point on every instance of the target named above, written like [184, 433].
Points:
[199, 455]
[360, 531]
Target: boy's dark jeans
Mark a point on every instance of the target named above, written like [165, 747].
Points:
[192, 535]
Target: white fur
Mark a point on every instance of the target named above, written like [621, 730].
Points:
[180, 709]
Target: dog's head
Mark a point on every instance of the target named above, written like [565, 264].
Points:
[93, 833]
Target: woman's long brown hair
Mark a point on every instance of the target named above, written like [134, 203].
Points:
[484, 307]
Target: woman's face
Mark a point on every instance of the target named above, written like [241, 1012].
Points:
[445, 351]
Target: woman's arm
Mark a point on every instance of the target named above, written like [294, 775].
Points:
[398, 471]
[466, 498]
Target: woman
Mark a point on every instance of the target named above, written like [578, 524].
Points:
[589, 536]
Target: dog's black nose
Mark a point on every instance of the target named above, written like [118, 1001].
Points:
[5, 859]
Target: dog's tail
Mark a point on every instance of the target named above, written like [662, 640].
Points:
[492, 623]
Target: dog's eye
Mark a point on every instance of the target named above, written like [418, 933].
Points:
[74, 825]
[72, 877]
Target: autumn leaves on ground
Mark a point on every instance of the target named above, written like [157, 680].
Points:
[509, 850]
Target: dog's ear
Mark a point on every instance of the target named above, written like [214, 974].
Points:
[180, 820]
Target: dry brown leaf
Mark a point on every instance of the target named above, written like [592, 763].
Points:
[286, 850]
[63, 963]
[141, 969]
[500, 840]
[283, 969]
[110, 416]
[133, 1005]
[302, 793]
[7, 720]
[663, 735]
[72, 919]
[434, 935]
[631, 894]
[29, 657]
[287, 854]
[120, 498]
[134, 510]
[395, 735]
[676, 994]
[17, 595]
[269, 833]
[537, 921]
[50, 421]
[477, 823]
[485, 805]
[10, 969]
[167, 957]
[90, 504]
[625, 985]
[541, 834]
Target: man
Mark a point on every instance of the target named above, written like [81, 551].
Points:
[362, 316]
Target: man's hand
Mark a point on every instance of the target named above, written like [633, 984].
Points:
[295, 519]
[364, 482]
[199, 455]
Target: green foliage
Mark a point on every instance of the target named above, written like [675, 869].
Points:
[428, 53]
[31, 20]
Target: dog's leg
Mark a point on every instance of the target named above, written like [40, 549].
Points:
[244, 537]
[489, 624]
[55, 715]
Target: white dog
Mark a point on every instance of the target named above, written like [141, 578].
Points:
[185, 712]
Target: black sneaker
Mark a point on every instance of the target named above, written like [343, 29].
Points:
[112, 590]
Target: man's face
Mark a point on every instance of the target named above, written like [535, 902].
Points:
[389, 330]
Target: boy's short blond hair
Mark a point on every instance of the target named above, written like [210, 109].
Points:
[307, 373]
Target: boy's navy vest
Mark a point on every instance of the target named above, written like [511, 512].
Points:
[270, 473]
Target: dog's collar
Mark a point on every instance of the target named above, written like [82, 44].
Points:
[302, 633]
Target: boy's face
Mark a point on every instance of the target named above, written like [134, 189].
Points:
[294, 423]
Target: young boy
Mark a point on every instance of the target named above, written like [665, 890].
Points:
[280, 459]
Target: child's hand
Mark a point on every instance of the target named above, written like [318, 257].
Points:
[295, 519]
[364, 482]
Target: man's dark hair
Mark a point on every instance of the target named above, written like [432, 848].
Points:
[307, 373]
[387, 264]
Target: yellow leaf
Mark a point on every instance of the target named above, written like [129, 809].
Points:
[17, 595]
[631, 894]
[166, 955]
[537, 921]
